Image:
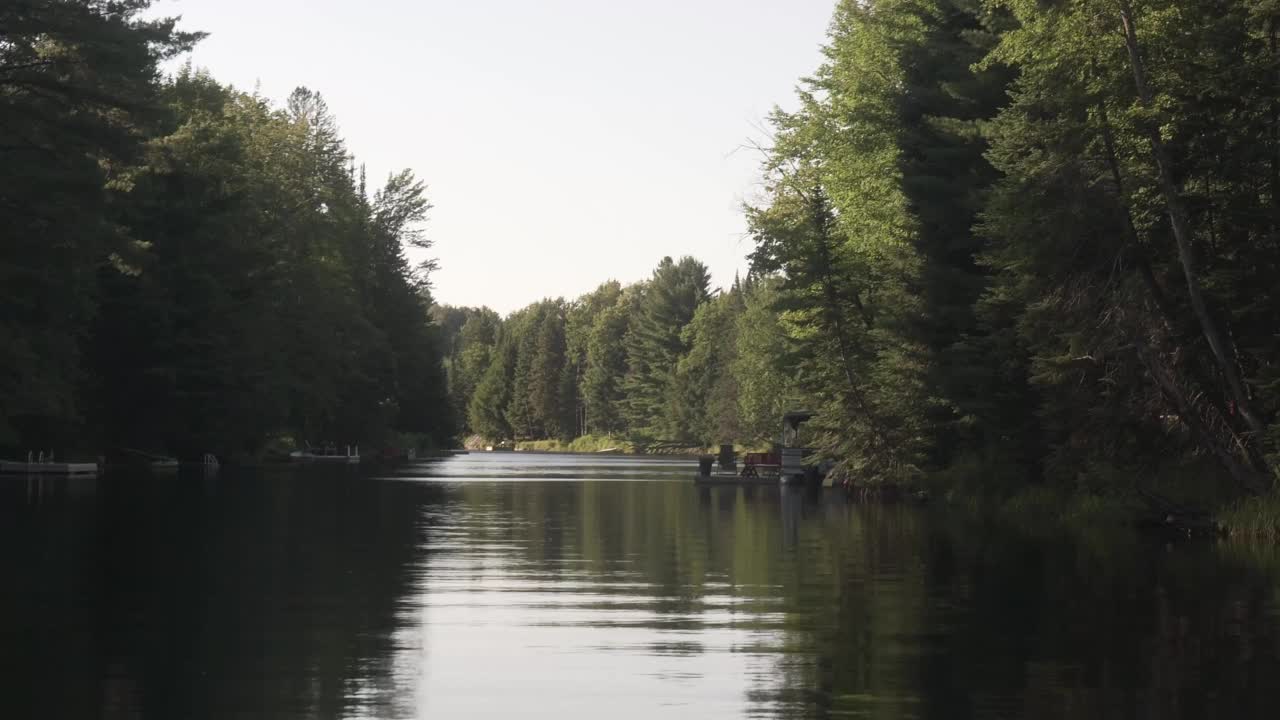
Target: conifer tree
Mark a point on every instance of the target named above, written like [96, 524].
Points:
[655, 343]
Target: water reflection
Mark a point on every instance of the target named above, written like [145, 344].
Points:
[505, 585]
[167, 598]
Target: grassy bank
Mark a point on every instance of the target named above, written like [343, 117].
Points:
[595, 444]
[584, 444]
[1253, 517]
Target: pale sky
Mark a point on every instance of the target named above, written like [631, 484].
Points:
[563, 142]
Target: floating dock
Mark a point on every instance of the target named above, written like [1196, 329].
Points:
[57, 469]
[329, 455]
[734, 479]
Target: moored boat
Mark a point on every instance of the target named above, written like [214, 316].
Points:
[785, 464]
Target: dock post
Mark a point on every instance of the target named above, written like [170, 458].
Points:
[704, 465]
[728, 458]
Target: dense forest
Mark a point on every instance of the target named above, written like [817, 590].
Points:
[1020, 240]
[661, 362]
[185, 267]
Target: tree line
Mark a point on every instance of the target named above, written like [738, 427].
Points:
[188, 268]
[1035, 237]
[663, 360]
[1035, 240]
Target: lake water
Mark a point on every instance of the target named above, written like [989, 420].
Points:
[540, 586]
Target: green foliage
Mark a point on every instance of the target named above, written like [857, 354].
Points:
[651, 361]
[582, 337]
[766, 388]
[540, 405]
[655, 343]
[214, 274]
[1094, 277]
[1038, 233]
[606, 365]
[1023, 241]
[78, 95]
[487, 409]
[470, 335]
[704, 398]
[836, 226]
[1252, 517]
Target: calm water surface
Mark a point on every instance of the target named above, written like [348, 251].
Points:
[511, 585]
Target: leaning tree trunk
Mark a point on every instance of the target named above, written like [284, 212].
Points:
[1170, 321]
[835, 316]
[1244, 475]
[1179, 218]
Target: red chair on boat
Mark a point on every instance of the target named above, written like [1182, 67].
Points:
[758, 464]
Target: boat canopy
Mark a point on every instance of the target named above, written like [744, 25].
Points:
[793, 418]
[791, 422]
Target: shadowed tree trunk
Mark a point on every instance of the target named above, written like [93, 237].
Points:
[1179, 219]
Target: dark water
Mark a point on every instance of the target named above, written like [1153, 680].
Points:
[503, 585]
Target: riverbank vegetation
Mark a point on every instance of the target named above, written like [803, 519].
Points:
[188, 268]
[1014, 244]
[665, 362]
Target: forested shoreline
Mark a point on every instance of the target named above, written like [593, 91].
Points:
[187, 268]
[1008, 243]
[667, 361]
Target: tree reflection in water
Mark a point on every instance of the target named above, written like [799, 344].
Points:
[482, 586]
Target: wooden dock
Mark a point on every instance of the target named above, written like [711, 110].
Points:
[55, 469]
[728, 478]
[327, 454]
